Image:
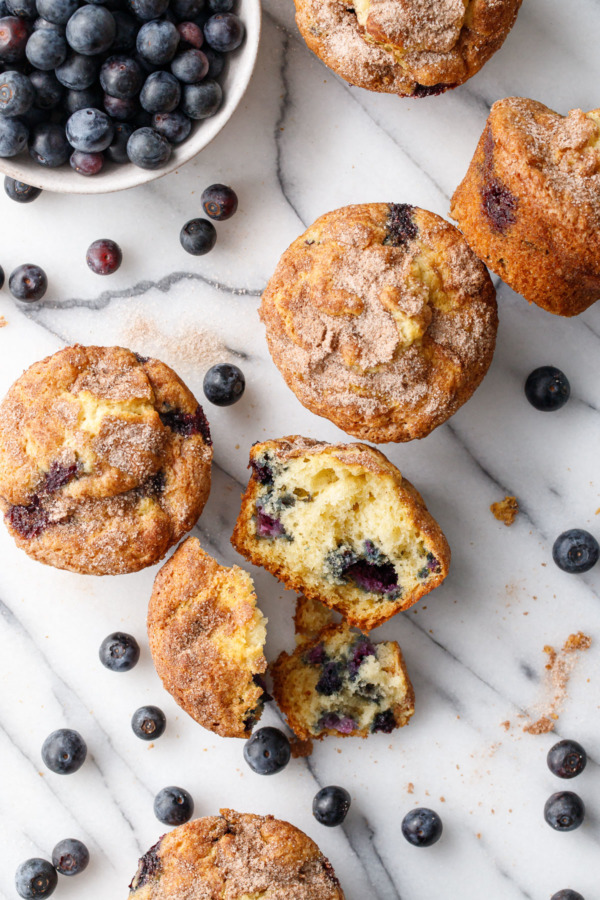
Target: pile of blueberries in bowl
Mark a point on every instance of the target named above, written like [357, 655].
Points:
[109, 80]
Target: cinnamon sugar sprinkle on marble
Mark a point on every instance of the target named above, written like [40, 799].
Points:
[3, 322]
[559, 669]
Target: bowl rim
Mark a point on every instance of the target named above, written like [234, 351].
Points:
[63, 180]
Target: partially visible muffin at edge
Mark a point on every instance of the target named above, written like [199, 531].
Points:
[414, 48]
[382, 319]
[529, 204]
[105, 460]
[207, 637]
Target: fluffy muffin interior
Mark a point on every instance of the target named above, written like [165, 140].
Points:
[343, 683]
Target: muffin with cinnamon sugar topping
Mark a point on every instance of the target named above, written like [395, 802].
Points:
[235, 855]
[529, 204]
[381, 319]
[414, 48]
[104, 460]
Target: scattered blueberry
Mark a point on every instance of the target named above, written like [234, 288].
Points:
[119, 652]
[1, 278]
[91, 30]
[547, 388]
[35, 878]
[78, 72]
[49, 146]
[161, 92]
[104, 257]
[422, 827]
[566, 759]
[64, 751]
[13, 136]
[56, 11]
[17, 93]
[191, 36]
[46, 49]
[148, 149]
[190, 67]
[28, 283]
[148, 722]
[330, 806]
[567, 895]
[70, 857]
[575, 551]
[121, 77]
[87, 164]
[89, 130]
[157, 42]
[173, 126]
[186, 10]
[120, 110]
[25, 9]
[14, 33]
[198, 236]
[219, 202]
[173, 806]
[267, 751]
[564, 811]
[224, 384]
[148, 9]
[224, 32]
[200, 101]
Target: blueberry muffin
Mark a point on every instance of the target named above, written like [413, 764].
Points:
[206, 638]
[341, 683]
[414, 48]
[235, 856]
[529, 204]
[381, 318]
[310, 618]
[339, 524]
[104, 460]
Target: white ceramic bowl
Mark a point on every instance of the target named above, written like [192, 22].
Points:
[235, 80]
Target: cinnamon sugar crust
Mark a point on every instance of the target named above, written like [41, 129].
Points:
[381, 319]
[206, 637]
[104, 460]
[414, 48]
[235, 856]
[529, 204]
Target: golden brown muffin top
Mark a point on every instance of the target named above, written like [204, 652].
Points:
[234, 856]
[380, 308]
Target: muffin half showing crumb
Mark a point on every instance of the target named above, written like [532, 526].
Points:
[343, 684]
[207, 636]
[339, 523]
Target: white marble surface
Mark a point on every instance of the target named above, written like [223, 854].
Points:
[303, 143]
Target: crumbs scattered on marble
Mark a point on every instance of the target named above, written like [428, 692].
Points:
[506, 510]
[410, 788]
[559, 669]
[3, 322]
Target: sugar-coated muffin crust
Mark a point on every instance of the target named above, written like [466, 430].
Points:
[104, 460]
[340, 683]
[529, 204]
[235, 856]
[339, 524]
[206, 637]
[382, 319]
[414, 48]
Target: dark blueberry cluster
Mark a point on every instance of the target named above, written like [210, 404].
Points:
[401, 228]
[85, 82]
[219, 202]
[370, 570]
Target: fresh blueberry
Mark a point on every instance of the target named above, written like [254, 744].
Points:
[547, 388]
[173, 806]
[104, 257]
[173, 126]
[566, 759]
[86, 163]
[21, 192]
[121, 110]
[89, 130]
[216, 62]
[1, 278]
[127, 29]
[161, 93]
[119, 652]
[224, 384]
[25, 9]
[14, 33]
[78, 72]
[46, 49]
[48, 90]
[41, 23]
[198, 236]
[13, 136]
[190, 66]
[575, 551]
[220, 6]
[28, 283]
[267, 751]
[121, 77]
[117, 152]
[567, 895]
[422, 827]
[16, 93]
[224, 32]
[191, 36]
[148, 9]
[70, 857]
[148, 149]
[91, 30]
[219, 202]
[201, 100]
[148, 722]
[331, 804]
[564, 811]
[35, 878]
[91, 98]
[64, 751]
[157, 42]
[57, 11]
[186, 10]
